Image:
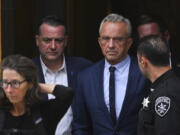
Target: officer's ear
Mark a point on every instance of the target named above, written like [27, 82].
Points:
[144, 61]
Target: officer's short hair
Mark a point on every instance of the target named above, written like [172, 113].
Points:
[155, 49]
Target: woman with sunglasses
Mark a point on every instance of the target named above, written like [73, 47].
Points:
[22, 112]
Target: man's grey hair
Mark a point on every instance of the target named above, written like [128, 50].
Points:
[115, 18]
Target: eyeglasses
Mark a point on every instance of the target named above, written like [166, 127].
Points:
[14, 84]
[117, 40]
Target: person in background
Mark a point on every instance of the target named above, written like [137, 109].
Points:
[151, 25]
[54, 67]
[22, 110]
[147, 24]
[108, 94]
[160, 114]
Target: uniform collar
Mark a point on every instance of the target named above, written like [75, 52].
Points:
[161, 78]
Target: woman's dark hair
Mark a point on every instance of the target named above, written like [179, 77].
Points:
[26, 68]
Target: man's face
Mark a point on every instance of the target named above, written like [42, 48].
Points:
[114, 41]
[148, 29]
[51, 42]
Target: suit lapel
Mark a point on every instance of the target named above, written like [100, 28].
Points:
[130, 90]
[98, 80]
[70, 72]
[39, 68]
[40, 74]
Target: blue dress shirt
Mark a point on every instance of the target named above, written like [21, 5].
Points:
[121, 79]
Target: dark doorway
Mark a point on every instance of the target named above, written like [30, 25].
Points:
[19, 20]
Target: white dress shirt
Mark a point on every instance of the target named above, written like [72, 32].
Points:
[121, 79]
[60, 77]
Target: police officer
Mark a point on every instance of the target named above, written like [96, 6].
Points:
[160, 114]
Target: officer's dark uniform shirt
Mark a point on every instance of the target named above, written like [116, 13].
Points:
[160, 114]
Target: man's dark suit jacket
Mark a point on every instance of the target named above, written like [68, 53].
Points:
[73, 65]
[90, 113]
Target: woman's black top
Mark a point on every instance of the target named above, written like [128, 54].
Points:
[51, 112]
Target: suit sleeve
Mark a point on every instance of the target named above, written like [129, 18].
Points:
[81, 120]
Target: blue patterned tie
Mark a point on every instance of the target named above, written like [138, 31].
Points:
[112, 94]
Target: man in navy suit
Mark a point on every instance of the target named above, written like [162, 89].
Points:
[53, 66]
[93, 107]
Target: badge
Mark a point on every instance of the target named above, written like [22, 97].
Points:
[151, 89]
[162, 105]
[145, 102]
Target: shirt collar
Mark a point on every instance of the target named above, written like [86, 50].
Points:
[45, 69]
[119, 66]
[162, 78]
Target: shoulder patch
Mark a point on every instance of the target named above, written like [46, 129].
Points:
[162, 105]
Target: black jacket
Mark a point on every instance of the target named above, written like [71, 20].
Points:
[160, 114]
[47, 112]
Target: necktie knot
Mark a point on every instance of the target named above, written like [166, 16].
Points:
[112, 69]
